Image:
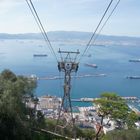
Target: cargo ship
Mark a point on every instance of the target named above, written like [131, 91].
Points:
[40, 55]
[91, 65]
[133, 77]
[134, 60]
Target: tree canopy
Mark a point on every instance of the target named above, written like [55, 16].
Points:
[113, 106]
[15, 116]
[19, 122]
[131, 134]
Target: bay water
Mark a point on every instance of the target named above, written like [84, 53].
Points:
[17, 55]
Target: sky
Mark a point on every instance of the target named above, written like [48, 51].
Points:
[70, 15]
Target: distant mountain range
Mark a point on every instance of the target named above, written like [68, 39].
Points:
[76, 37]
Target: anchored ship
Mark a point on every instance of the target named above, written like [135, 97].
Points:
[133, 77]
[40, 55]
[91, 65]
[134, 60]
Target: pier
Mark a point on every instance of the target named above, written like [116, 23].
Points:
[58, 77]
[84, 100]
[129, 98]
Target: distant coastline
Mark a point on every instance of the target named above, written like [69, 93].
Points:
[76, 37]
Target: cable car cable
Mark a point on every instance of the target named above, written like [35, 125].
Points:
[94, 33]
[31, 6]
[106, 21]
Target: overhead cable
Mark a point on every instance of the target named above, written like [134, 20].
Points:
[40, 25]
[94, 33]
[97, 35]
[35, 18]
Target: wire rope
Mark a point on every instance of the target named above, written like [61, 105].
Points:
[35, 18]
[40, 25]
[106, 21]
[94, 33]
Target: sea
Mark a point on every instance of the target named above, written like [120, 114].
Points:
[113, 61]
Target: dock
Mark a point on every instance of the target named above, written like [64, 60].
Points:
[128, 98]
[84, 100]
[58, 77]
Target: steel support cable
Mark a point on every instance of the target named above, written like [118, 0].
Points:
[35, 18]
[106, 21]
[41, 26]
[46, 36]
[94, 33]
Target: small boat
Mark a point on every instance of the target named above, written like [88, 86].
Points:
[40, 55]
[91, 65]
[134, 60]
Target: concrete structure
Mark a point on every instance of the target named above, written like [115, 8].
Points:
[49, 105]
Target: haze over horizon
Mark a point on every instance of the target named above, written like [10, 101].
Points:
[79, 15]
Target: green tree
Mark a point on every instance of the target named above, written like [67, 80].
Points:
[113, 106]
[15, 119]
[130, 134]
[85, 133]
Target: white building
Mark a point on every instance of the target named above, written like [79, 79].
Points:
[48, 103]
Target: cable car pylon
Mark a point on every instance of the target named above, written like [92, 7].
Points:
[67, 65]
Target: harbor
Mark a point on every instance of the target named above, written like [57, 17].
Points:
[85, 116]
[67, 72]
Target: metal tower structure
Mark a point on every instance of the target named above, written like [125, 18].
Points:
[68, 65]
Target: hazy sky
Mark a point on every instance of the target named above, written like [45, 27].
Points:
[70, 15]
